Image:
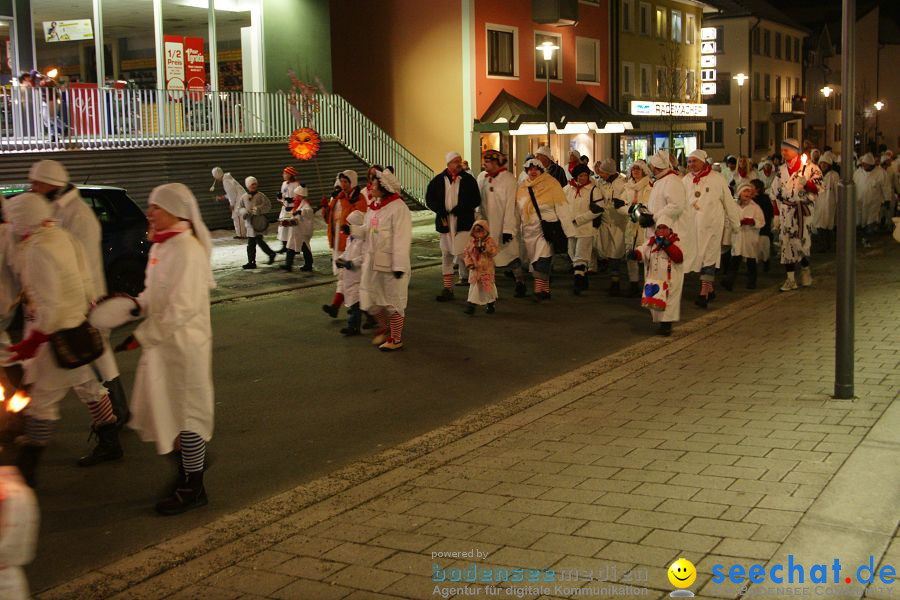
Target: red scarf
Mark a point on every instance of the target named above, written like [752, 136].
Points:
[577, 187]
[384, 202]
[573, 164]
[491, 177]
[742, 172]
[451, 176]
[706, 170]
[162, 236]
[794, 165]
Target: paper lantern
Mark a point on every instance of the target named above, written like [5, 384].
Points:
[304, 143]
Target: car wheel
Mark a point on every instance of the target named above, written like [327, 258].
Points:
[126, 275]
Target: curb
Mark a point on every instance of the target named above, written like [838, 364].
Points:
[166, 567]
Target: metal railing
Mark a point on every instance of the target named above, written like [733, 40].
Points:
[42, 119]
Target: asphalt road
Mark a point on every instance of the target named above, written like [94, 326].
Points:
[295, 401]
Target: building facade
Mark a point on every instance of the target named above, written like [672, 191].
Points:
[657, 59]
[770, 105]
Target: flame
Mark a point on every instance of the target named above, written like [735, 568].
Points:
[803, 159]
[18, 402]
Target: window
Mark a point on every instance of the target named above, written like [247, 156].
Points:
[627, 15]
[760, 135]
[797, 49]
[797, 85]
[792, 129]
[645, 18]
[676, 26]
[723, 89]
[587, 55]
[502, 58]
[660, 82]
[628, 79]
[720, 39]
[754, 41]
[690, 88]
[645, 81]
[690, 30]
[661, 23]
[777, 44]
[778, 87]
[756, 86]
[767, 92]
[714, 131]
[787, 47]
[767, 42]
[787, 87]
[540, 65]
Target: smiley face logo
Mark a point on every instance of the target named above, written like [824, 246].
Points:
[682, 573]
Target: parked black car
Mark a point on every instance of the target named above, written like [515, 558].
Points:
[125, 244]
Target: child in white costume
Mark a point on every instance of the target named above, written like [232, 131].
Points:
[745, 243]
[479, 256]
[584, 205]
[350, 263]
[664, 276]
[299, 227]
[286, 198]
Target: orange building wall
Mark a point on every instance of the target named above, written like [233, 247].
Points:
[593, 22]
[398, 61]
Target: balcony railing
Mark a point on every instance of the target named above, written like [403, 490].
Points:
[47, 119]
[789, 105]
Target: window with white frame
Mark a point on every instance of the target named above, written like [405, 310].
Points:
[714, 136]
[627, 15]
[690, 88]
[661, 31]
[660, 82]
[502, 57]
[587, 57]
[676, 26]
[645, 81]
[645, 16]
[555, 63]
[628, 78]
[690, 29]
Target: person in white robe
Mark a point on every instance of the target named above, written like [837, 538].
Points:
[745, 243]
[58, 288]
[384, 289]
[715, 212]
[824, 219]
[795, 189]
[664, 274]
[286, 198]
[584, 199]
[873, 188]
[51, 179]
[610, 236]
[350, 262]
[232, 194]
[299, 225]
[498, 207]
[172, 402]
[541, 198]
[637, 194]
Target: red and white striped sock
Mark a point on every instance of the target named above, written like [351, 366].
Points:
[706, 287]
[382, 319]
[448, 281]
[541, 285]
[397, 327]
[101, 411]
[337, 300]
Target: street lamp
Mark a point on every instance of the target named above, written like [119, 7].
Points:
[740, 78]
[878, 106]
[826, 91]
[547, 48]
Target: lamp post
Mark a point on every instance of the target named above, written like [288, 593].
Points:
[548, 48]
[878, 106]
[740, 78]
[826, 91]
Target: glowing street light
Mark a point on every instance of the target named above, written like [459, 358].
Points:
[740, 78]
[548, 48]
[879, 105]
[826, 91]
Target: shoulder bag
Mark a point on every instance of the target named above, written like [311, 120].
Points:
[551, 230]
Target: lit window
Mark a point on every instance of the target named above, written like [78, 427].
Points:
[540, 65]
[676, 26]
[690, 30]
[661, 23]
[501, 51]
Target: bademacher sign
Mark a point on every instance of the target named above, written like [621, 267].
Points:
[665, 109]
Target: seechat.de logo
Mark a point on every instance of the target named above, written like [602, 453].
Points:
[798, 573]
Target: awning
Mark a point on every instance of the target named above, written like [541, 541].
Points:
[604, 115]
[515, 116]
[508, 112]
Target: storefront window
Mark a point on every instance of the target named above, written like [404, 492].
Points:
[232, 34]
[64, 39]
[130, 48]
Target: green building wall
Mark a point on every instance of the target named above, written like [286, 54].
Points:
[296, 35]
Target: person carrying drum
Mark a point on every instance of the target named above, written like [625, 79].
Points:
[254, 206]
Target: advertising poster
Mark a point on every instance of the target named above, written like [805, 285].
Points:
[68, 31]
[174, 55]
[194, 64]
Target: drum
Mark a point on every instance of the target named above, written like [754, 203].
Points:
[259, 223]
[114, 311]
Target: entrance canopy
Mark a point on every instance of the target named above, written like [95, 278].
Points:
[513, 115]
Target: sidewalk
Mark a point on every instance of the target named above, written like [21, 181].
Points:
[720, 445]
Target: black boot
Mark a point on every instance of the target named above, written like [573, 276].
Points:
[445, 296]
[189, 494]
[284, 248]
[251, 254]
[634, 290]
[288, 261]
[370, 323]
[520, 289]
[469, 309]
[307, 258]
[578, 283]
[490, 308]
[119, 401]
[665, 329]
[331, 310]
[702, 301]
[107, 448]
[27, 460]
[614, 288]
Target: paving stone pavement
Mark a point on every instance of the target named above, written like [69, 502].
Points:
[711, 446]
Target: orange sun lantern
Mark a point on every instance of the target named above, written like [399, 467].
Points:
[18, 401]
[304, 143]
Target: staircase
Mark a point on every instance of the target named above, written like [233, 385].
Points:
[140, 170]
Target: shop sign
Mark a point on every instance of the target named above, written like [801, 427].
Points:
[68, 31]
[173, 48]
[708, 43]
[665, 109]
[194, 63]
[84, 105]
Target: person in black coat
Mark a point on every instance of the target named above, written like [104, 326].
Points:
[765, 233]
[453, 196]
[555, 171]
